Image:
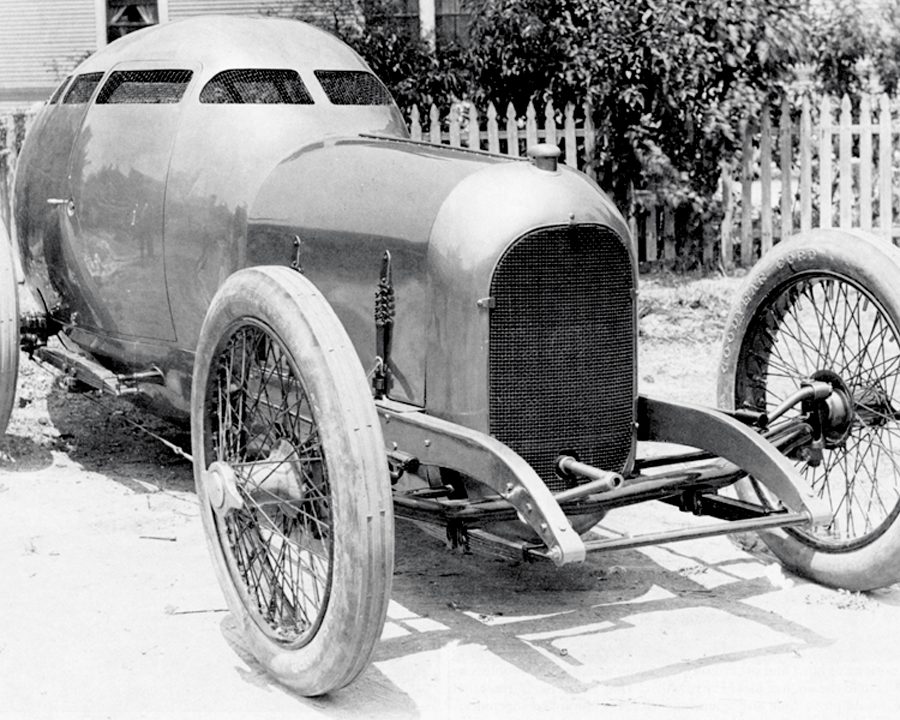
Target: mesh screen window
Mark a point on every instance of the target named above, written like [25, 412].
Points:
[54, 98]
[256, 86]
[82, 88]
[353, 87]
[144, 87]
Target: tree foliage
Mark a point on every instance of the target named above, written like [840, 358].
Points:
[415, 73]
[669, 81]
[854, 50]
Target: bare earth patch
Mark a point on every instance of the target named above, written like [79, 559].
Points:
[110, 607]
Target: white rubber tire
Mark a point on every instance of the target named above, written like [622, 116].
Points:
[870, 267]
[292, 310]
[9, 328]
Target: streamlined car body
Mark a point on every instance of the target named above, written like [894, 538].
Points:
[226, 218]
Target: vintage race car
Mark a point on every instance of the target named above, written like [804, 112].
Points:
[226, 220]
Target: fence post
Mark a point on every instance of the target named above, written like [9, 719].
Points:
[787, 195]
[865, 163]
[531, 134]
[493, 134]
[651, 236]
[746, 197]
[434, 128]
[885, 150]
[825, 152]
[669, 233]
[474, 140]
[765, 181]
[845, 179]
[727, 220]
[453, 128]
[805, 164]
[632, 215]
[415, 124]
[590, 140]
[549, 123]
[512, 132]
[571, 156]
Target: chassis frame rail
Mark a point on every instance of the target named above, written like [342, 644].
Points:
[739, 449]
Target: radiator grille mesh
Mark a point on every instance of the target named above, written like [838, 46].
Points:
[562, 348]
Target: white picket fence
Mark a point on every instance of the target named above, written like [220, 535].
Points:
[820, 165]
[827, 167]
[817, 167]
[571, 129]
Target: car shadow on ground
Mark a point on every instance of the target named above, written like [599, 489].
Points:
[534, 615]
[609, 623]
[103, 435]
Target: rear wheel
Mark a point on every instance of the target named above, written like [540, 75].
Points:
[292, 479]
[827, 307]
[9, 328]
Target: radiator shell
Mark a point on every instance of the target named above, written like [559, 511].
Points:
[561, 357]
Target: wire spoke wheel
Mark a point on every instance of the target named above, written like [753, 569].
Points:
[826, 306]
[292, 479]
[279, 545]
[822, 326]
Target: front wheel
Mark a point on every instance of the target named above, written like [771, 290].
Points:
[292, 479]
[826, 306]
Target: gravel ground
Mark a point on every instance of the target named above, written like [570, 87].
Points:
[111, 609]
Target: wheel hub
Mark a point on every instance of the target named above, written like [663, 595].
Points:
[840, 409]
[221, 488]
[279, 478]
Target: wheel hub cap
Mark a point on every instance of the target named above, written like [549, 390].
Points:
[221, 488]
[841, 410]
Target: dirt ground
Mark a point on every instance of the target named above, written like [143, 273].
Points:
[110, 608]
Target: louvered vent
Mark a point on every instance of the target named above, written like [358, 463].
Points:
[562, 348]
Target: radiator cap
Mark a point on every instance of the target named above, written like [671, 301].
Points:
[544, 156]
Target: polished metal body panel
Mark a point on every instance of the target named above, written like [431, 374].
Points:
[356, 198]
[117, 182]
[162, 192]
[170, 199]
[130, 216]
[42, 173]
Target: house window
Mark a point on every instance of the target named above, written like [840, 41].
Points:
[125, 16]
[406, 14]
[439, 22]
[452, 21]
